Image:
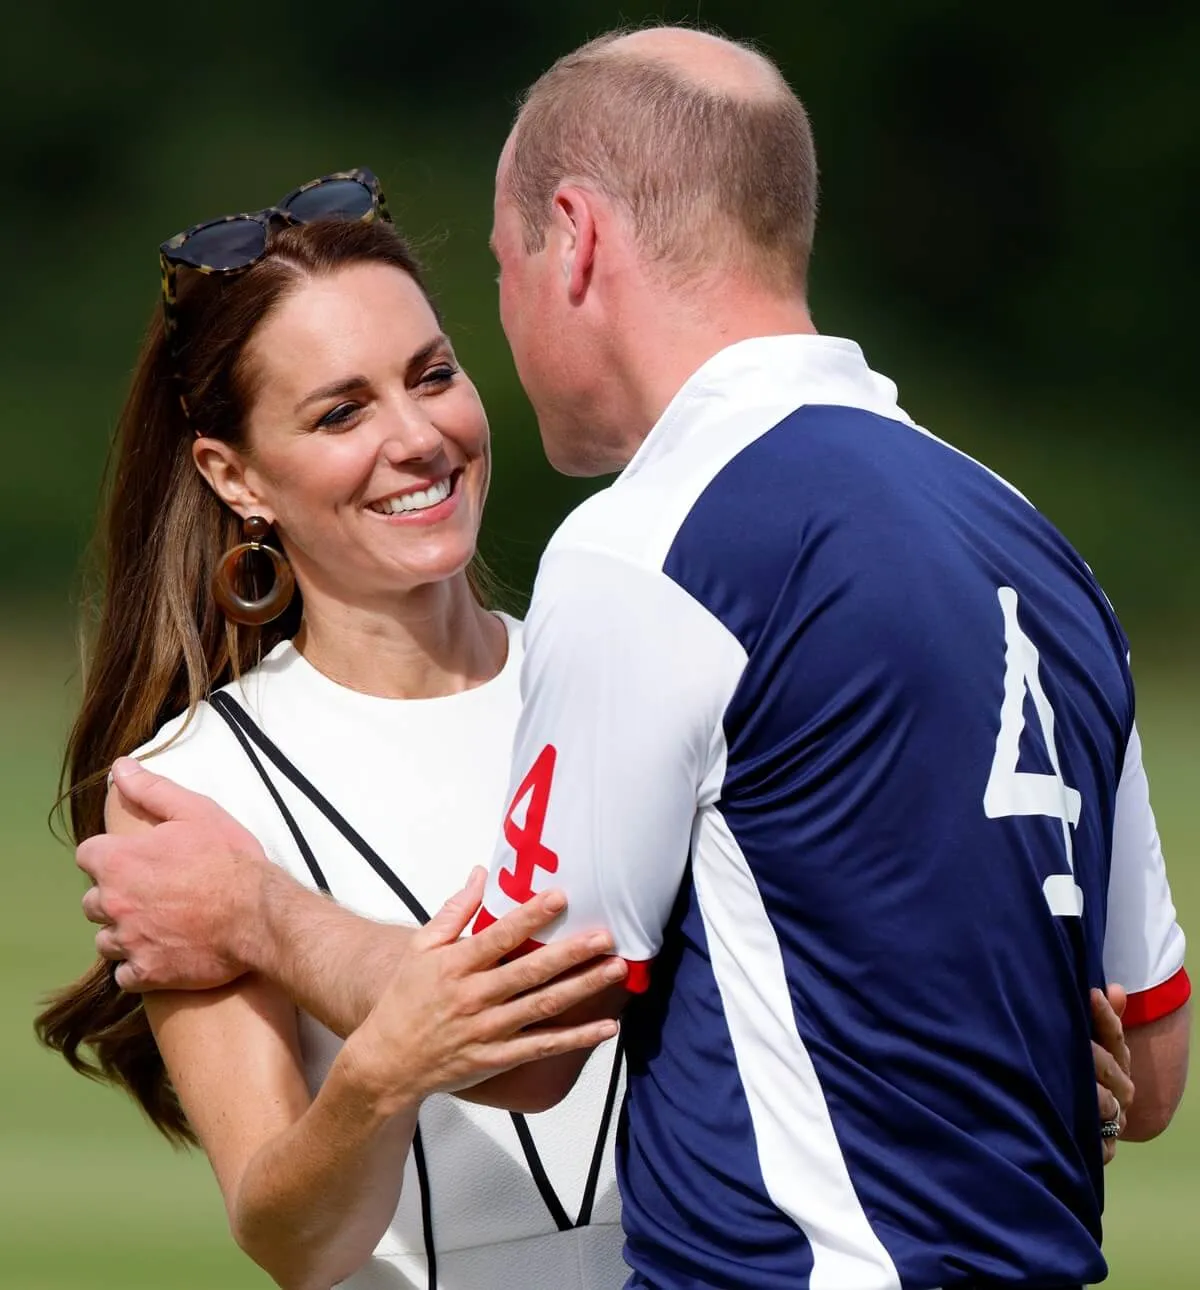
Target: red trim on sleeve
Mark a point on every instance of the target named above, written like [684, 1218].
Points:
[638, 979]
[1159, 1001]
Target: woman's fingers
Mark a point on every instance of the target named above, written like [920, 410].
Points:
[449, 923]
[550, 1001]
[511, 931]
[551, 1041]
[1107, 1029]
[1110, 1108]
[543, 964]
[1111, 1077]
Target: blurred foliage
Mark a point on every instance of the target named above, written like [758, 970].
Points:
[1010, 202]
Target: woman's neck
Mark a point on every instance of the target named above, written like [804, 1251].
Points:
[424, 644]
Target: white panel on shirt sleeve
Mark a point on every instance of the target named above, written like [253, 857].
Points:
[1143, 943]
[627, 678]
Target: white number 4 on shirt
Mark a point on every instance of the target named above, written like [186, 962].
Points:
[1013, 792]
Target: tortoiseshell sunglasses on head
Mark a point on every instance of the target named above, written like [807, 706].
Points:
[235, 242]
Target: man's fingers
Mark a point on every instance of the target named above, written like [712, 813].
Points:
[128, 977]
[92, 854]
[449, 923]
[107, 945]
[545, 964]
[513, 930]
[156, 795]
[93, 906]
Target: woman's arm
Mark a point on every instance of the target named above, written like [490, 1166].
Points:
[310, 1185]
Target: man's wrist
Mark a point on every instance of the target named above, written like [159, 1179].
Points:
[259, 932]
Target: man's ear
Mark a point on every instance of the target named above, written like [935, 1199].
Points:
[225, 470]
[573, 233]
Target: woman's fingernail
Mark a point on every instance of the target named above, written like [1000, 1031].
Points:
[556, 902]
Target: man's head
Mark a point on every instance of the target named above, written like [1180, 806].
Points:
[651, 179]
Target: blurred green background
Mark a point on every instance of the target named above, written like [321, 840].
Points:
[1011, 198]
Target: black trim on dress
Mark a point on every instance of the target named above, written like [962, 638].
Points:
[245, 729]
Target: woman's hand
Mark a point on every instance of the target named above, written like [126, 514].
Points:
[454, 1013]
[1114, 1087]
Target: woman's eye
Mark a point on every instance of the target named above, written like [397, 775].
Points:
[342, 415]
[443, 374]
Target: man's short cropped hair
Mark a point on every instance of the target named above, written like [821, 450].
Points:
[713, 181]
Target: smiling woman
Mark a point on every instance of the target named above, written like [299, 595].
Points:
[308, 396]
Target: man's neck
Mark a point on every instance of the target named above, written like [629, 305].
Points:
[689, 333]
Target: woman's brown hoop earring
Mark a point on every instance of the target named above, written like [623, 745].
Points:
[235, 606]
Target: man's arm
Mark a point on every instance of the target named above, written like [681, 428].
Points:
[1144, 950]
[1158, 1059]
[618, 748]
[193, 903]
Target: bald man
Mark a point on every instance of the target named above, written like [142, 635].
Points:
[822, 721]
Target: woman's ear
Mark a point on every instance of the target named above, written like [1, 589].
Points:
[222, 466]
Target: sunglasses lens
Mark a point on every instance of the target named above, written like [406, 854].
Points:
[333, 199]
[231, 244]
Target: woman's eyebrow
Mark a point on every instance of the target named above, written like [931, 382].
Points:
[347, 385]
[427, 351]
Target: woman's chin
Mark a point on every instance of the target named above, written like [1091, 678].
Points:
[441, 568]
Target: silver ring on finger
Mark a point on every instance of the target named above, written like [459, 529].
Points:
[1111, 1128]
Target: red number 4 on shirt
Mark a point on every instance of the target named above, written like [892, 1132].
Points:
[526, 839]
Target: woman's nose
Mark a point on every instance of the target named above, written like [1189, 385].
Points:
[409, 435]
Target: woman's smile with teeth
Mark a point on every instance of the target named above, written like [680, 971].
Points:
[420, 500]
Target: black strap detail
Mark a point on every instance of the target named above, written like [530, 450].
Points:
[540, 1177]
[418, 1149]
[610, 1101]
[219, 702]
[230, 711]
[234, 713]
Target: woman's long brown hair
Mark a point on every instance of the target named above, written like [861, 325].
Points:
[161, 644]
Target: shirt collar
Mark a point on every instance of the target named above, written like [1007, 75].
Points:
[781, 372]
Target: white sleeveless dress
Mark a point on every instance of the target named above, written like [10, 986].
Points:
[421, 784]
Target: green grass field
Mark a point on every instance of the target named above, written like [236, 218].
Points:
[90, 1198]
